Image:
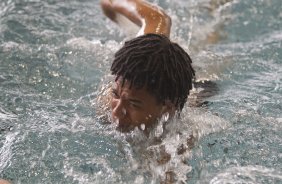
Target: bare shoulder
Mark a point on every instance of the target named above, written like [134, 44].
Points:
[4, 181]
[202, 90]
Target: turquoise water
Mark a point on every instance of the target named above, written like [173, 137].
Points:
[54, 60]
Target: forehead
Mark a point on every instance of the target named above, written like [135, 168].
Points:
[140, 93]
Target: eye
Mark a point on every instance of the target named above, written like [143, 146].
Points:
[135, 105]
[115, 93]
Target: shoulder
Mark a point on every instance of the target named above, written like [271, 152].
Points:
[202, 90]
[4, 181]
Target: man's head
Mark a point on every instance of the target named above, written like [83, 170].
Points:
[152, 64]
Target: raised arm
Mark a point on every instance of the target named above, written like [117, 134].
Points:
[150, 18]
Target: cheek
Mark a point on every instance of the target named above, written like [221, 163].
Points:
[136, 117]
[113, 103]
[154, 114]
[142, 117]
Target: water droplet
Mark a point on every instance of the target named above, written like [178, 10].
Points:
[143, 126]
[165, 117]
[124, 111]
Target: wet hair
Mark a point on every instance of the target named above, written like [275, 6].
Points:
[160, 65]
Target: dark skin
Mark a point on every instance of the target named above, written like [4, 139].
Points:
[133, 107]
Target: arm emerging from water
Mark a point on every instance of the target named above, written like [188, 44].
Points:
[150, 18]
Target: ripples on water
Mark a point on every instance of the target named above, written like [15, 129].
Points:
[54, 57]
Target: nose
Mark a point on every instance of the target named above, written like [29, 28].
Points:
[118, 109]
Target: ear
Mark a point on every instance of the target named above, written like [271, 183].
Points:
[169, 107]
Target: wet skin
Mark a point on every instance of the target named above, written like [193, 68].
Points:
[133, 107]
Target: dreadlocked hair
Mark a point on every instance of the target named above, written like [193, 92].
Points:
[153, 61]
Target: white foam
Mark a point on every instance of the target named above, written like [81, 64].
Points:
[6, 153]
[128, 27]
[6, 115]
[246, 174]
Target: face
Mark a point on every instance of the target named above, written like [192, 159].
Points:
[133, 107]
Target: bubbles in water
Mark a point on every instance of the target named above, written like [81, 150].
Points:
[159, 130]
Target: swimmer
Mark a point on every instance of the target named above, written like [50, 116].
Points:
[153, 75]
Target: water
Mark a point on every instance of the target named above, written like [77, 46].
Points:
[54, 60]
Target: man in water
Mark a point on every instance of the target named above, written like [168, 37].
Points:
[153, 76]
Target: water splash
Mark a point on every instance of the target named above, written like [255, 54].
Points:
[6, 153]
[247, 174]
[4, 115]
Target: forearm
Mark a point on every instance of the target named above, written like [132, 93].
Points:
[128, 8]
[151, 18]
[155, 19]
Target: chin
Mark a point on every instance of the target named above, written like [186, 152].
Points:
[124, 127]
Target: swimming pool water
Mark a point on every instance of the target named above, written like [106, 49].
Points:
[54, 60]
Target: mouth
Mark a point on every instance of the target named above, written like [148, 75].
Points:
[123, 126]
